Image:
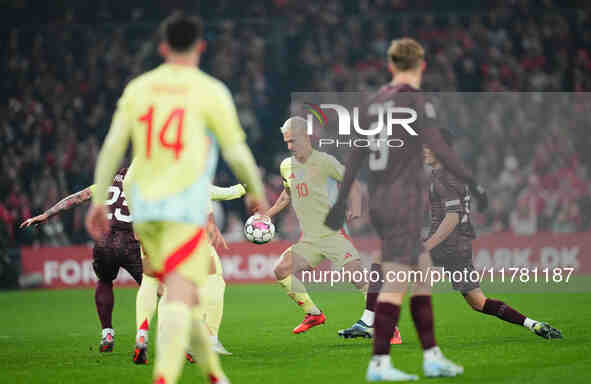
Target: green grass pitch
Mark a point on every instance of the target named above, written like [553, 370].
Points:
[52, 337]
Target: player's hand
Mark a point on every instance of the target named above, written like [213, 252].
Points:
[336, 216]
[481, 196]
[39, 219]
[97, 223]
[352, 214]
[255, 205]
[244, 190]
[215, 236]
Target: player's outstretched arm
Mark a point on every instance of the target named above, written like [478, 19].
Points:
[62, 205]
[213, 232]
[432, 138]
[336, 216]
[447, 226]
[280, 204]
[224, 123]
[226, 193]
[354, 210]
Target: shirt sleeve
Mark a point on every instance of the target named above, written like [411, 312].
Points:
[448, 189]
[226, 193]
[334, 168]
[285, 171]
[127, 180]
[222, 118]
[431, 137]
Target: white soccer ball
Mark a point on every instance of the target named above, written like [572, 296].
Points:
[259, 229]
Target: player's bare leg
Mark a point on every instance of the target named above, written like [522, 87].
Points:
[479, 302]
[288, 266]
[182, 325]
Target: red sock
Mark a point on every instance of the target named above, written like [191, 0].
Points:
[374, 288]
[387, 315]
[502, 311]
[421, 310]
[144, 325]
[104, 300]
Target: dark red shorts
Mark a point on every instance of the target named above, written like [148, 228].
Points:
[397, 216]
[119, 249]
[456, 255]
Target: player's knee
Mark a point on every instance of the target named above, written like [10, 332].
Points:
[354, 265]
[282, 270]
[180, 289]
[475, 300]
[391, 297]
[477, 306]
[283, 267]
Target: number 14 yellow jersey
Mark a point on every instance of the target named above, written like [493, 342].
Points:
[176, 116]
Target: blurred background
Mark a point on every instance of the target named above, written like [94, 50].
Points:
[65, 63]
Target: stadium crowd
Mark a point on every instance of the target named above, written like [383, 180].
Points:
[62, 80]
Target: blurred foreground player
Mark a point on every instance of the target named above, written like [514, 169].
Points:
[450, 244]
[396, 210]
[175, 116]
[119, 249]
[213, 309]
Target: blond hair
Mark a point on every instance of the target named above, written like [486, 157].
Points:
[295, 124]
[406, 53]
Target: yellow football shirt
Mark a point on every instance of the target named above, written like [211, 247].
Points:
[313, 188]
[175, 116]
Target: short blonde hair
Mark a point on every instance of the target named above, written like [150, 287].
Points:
[406, 53]
[295, 124]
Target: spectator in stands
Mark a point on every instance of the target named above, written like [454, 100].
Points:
[524, 220]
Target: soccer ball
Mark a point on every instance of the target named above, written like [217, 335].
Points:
[259, 229]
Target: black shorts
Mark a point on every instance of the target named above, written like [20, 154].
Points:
[456, 255]
[119, 249]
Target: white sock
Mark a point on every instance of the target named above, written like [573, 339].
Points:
[368, 317]
[381, 360]
[432, 353]
[140, 333]
[213, 339]
[107, 331]
[529, 323]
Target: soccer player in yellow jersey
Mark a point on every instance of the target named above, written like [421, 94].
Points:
[213, 291]
[310, 179]
[121, 250]
[176, 116]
